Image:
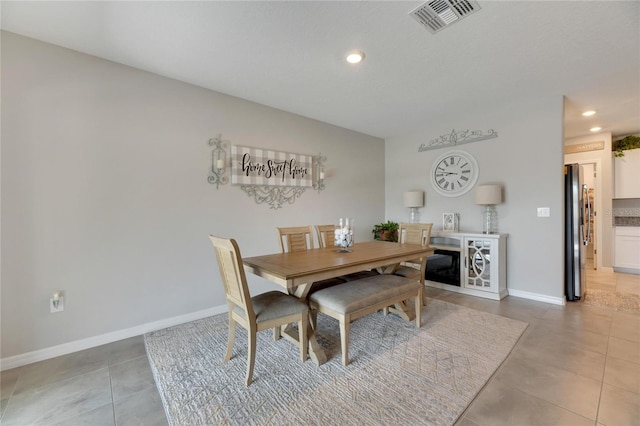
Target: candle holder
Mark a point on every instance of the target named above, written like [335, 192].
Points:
[344, 235]
[217, 173]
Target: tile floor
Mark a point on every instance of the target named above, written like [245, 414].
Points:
[574, 365]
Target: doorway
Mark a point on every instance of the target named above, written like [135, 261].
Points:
[589, 179]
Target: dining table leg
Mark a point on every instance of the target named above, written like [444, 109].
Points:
[315, 351]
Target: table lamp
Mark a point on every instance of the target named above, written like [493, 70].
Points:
[489, 196]
[413, 200]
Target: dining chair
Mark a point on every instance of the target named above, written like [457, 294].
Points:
[295, 238]
[325, 235]
[257, 313]
[413, 233]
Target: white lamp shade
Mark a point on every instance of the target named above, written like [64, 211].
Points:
[414, 199]
[488, 194]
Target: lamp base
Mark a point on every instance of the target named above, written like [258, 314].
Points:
[489, 220]
[415, 215]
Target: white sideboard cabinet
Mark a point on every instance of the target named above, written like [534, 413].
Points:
[482, 263]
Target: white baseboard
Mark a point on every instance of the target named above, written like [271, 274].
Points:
[536, 296]
[90, 342]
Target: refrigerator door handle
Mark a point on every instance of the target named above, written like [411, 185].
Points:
[586, 218]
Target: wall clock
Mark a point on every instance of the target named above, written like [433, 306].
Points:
[454, 173]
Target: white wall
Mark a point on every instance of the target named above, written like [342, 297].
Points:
[105, 193]
[526, 159]
[604, 220]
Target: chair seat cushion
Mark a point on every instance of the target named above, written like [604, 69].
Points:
[275, 304]
[355, 295]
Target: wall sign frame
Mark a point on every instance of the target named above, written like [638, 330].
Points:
[271, 177]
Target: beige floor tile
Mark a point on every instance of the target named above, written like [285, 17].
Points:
[560, 387]
[581, 362]
[628, 287]
[618, 407]
[8, 381]
[465, 422]
[499, 405]
[125, 350]
[101, 416]
[580, 317]
[622, 374]
[61, 368]
[60, 400]
[626, 350]
[131, 377]
[551, 337]
[142, 408]
[626, 326]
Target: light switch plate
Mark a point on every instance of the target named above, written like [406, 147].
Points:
[544, 212]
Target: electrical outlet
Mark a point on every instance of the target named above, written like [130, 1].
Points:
[60, 305]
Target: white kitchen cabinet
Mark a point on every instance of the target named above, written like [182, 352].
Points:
[626, 250]
[627, 174]
[483, 263]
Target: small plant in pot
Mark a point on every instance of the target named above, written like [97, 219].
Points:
[386, 231]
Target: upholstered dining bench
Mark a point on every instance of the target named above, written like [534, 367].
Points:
[354, 299]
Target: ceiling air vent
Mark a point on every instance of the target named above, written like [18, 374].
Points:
[438, 14]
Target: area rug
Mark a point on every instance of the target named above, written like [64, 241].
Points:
[398, 374]
[623, 302]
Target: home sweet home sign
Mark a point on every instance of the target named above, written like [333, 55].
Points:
[256, 166]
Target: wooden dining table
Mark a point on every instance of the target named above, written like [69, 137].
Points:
[297, 271]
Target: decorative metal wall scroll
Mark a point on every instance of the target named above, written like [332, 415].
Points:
[218, 161]
[275, 196]
[270, 177]
[318, 168]
[458, 138]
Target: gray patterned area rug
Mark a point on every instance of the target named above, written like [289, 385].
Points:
[398, 374]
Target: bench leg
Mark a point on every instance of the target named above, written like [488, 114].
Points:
[277, 333]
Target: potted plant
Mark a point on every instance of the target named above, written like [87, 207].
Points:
[386, 231]
[630, 142]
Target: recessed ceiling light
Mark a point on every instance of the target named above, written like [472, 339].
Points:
[595, 129]
[588, 113]
[355, 56]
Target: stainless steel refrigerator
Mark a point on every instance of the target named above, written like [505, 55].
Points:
[577, 230]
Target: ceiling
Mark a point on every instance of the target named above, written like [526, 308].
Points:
[290, 55]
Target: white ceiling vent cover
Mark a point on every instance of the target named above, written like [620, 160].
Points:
[439, 14]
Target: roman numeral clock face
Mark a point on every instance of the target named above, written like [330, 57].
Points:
[454, 173]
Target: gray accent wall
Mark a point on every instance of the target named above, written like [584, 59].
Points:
[105, 193]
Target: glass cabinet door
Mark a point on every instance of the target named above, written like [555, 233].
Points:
[478, 264]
